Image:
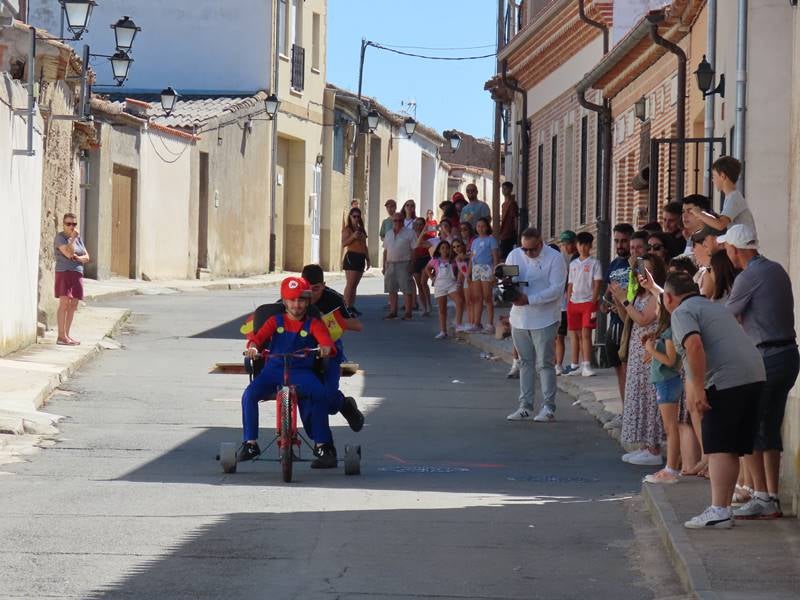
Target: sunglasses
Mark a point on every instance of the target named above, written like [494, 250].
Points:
[655, 247]
[529, 250]
[72, 224]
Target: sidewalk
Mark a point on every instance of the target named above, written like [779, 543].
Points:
[28, 377]
[756, 560]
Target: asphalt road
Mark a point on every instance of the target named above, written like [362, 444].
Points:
[454, 502]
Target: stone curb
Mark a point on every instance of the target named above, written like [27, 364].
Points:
[68, 371]
[684, 558]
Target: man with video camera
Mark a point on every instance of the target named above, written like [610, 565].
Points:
[535, 316]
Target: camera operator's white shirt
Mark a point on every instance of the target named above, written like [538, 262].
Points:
[546, 276]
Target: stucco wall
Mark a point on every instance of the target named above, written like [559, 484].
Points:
[20, 210]
[166, 50]
[163, 209]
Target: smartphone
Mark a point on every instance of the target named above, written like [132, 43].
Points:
[638, 267]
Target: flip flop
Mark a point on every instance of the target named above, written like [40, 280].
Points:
[63, 342]
[74, 342]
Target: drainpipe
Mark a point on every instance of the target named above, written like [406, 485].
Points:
[741, 87]
[680, 154]
[274, 162]
[711, 55]
[604, 155]
[604, 148]
[526, 150]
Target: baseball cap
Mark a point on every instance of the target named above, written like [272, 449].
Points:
[740, 236]
[293, 288]
[567, 236]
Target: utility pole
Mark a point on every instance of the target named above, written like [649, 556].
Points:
[498, 107]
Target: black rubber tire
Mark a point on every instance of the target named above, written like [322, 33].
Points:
[287, 456]
[352, 460]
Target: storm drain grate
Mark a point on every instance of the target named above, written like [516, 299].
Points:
[423, 469]
[551, 479]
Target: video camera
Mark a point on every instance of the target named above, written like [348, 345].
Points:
[509, 289]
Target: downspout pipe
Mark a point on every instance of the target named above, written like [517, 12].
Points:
[526, 149]
[711, 54]
[680, 119]
[741, 87]
[605, 144]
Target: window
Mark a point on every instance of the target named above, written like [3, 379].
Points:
[340, 123]
[568, 179]
[584, 157]
[539, 186]
[315, 41]
[282, 37]
[297, 22]
[553, 183]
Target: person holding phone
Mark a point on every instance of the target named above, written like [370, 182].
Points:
[70, 255]
[356, 259]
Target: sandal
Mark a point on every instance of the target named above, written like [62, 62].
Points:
[390, 316]
[63, 342]
[742, 495]
[696, 470]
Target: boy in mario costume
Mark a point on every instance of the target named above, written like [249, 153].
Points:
[292, 331]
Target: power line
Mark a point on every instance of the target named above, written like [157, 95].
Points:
[427, 57]
[441, 48]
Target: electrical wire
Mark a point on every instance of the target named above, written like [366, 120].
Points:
[427, 57]
[440, 48]
[177, 156]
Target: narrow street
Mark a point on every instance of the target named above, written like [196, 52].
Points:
[453, 501]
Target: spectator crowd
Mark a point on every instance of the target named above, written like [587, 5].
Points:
[699, 328]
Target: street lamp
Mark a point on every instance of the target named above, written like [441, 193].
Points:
[271, 105]
[77, 13]
[169, 98]
[640, 109]
[125, 31]
[454, 139]
[410, 125]
[705, 79]
[372, 120]
[120, 64]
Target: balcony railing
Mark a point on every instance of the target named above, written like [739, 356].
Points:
[298, 67]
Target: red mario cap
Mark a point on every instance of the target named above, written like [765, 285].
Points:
[295, 287]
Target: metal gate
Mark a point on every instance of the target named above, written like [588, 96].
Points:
[712, 148]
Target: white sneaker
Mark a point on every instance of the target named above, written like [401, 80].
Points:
[627, 457]
[441, 335]
[718, 518]
[546, 415]
[646, 458]
[586, 371]
[558, 370]
[513, 373]
[758, 508]
[521, 414]
[572, 370]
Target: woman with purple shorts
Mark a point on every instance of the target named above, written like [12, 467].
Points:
[71, 255]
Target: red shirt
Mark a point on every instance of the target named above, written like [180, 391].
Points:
[317, 329]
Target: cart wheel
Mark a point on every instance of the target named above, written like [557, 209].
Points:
[287, 456]
[227, 456]
[352, 460]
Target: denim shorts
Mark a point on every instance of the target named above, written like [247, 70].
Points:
[669, 391]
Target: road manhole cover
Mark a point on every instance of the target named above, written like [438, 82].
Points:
[551, 479]
[423, 469]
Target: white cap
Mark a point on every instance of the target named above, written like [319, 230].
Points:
[740, 236]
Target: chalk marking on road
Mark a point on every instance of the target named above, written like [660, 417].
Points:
[423, 469]
[396, 459]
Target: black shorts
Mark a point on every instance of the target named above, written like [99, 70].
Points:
[781, 369]
[731, 424]
[562, 327]
[354, 261]
[420, 264]
[613, 337]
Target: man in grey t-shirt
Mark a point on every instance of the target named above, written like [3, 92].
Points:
[725, 375]
[762, 299]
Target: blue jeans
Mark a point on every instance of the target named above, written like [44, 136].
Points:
[537, 352]
[669, 391]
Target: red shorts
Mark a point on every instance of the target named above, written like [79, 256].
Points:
[69, 284]
[581, 315]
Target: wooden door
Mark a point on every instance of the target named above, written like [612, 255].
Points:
[123, 187]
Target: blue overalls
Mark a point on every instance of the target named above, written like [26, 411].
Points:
[313, 403]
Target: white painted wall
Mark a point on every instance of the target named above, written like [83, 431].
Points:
[567, 75]
[628, 12]
[409, 184]
[204, 45]
[164, 197]
[768, 127]
[21, 212]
